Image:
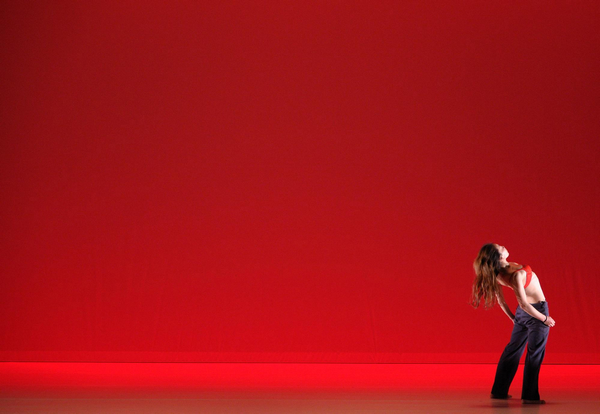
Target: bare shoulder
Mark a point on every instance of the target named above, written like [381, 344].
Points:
[510, 276]
[504, 279]
[519, 277]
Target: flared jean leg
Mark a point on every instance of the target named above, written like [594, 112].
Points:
[509, 360]
[536, 349]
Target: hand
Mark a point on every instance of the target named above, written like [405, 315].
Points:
[550, 322]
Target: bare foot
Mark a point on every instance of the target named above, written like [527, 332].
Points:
[496, 397]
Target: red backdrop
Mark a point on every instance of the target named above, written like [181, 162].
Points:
[293, 181]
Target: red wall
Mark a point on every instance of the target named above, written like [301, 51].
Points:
[293, 181]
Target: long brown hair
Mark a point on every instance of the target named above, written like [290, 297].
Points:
[487, 266]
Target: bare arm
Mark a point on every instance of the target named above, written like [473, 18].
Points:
[504, 306]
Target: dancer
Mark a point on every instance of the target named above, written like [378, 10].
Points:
[531, 320]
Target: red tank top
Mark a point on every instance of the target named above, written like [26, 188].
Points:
[528, 270]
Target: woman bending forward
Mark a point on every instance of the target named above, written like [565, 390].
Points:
[531, 320]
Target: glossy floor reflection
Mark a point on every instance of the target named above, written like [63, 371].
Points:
[283, 388]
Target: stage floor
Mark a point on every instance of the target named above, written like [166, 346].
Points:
[284, 388]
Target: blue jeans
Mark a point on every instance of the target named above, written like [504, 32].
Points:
[534, 333]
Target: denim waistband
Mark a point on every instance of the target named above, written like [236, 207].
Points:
[540, 304]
